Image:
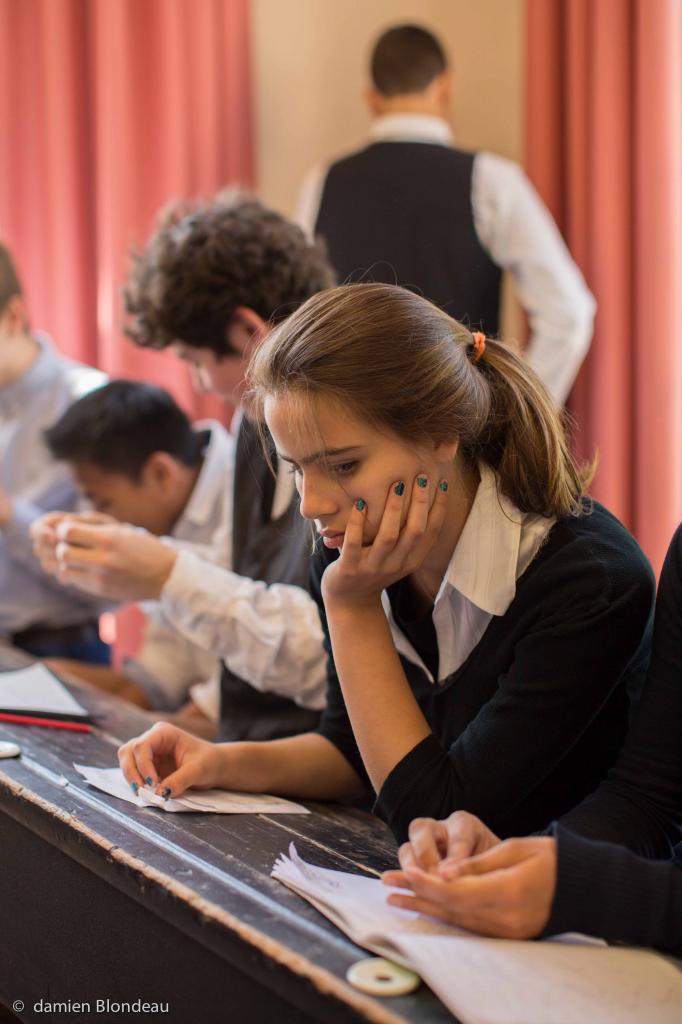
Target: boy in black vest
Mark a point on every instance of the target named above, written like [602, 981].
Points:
[410, 209]
[209, 286]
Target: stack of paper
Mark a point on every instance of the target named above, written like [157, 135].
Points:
[495, 981]
[36, 691]
[213, 801]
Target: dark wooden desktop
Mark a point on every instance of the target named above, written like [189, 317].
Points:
[100, 900]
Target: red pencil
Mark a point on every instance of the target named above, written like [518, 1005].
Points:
[46, 723]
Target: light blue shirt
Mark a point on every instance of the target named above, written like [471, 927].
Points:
[37, 484]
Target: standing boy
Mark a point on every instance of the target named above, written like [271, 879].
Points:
[411, 209]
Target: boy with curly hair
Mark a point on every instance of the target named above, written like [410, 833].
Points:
[209, 286]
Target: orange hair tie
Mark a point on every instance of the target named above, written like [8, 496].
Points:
[479, 344]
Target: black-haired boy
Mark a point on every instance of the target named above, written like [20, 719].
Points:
[135, 456]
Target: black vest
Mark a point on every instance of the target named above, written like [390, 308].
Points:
[400, 212]
[275, 552]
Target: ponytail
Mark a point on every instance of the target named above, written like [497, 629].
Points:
[524, 438]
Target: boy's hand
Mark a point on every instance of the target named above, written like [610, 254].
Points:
[111, 560]
[45, 539]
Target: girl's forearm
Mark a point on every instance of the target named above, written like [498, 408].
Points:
[307, 766]
[386, 719]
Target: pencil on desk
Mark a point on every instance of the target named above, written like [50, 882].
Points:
[46, 723]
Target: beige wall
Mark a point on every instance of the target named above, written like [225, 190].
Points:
[310, 59]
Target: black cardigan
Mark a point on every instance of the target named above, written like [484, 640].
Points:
[602, 888]
[535, 717]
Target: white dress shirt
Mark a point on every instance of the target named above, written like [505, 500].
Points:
[495, 548]
[518, 233]
[270, 636]
[168, 666]
[37, 484]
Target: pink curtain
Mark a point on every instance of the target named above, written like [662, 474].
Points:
[109, 110]
[604, 148]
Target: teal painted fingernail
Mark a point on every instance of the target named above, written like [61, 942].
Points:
[165, 792]
[133, 786]
[443, 486]
[360, 504]
[399, 489]
[148, 780]
[422, 481]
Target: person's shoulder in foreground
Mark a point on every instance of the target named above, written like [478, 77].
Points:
[602, 884]
[603, 889]
[572, 879]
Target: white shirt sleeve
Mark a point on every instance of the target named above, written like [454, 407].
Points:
[309, 198]
[270, 636]
[206, 696]
[519, 234]
[167, 664]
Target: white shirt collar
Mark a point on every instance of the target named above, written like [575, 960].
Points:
[495, 548]
[218, 451]
[411, 128]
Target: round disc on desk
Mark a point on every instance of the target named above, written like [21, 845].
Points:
[9, 750]
[379, 977]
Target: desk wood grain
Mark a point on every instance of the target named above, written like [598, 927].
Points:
[102, 900]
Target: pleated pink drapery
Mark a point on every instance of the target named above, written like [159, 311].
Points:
[604, 148]
[109, 110]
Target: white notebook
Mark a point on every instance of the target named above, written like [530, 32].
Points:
[565, 980]
[37, 691]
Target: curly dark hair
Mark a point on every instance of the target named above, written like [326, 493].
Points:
[206, 260]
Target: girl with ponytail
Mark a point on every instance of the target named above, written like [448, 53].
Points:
[486, 623]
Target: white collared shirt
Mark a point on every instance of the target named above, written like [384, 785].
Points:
[208, 614]
[518, 233]
[168, 666]
[495, 548]
[270, 636]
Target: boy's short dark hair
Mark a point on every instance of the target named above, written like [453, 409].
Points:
[118, 426]
[204, 262]
[10, 285]
[406, 59]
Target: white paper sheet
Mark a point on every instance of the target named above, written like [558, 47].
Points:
[356, 904]
[211, 801]
[35, 689]
[495, 981]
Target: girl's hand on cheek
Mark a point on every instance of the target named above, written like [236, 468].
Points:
[360, 574]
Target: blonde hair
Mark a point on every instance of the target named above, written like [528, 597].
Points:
[406, 367]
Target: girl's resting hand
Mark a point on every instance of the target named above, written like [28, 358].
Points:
[171, 760]
[362, 571]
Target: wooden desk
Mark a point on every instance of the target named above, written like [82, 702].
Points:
[99, 900]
